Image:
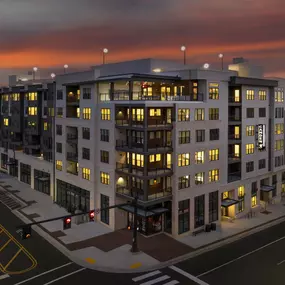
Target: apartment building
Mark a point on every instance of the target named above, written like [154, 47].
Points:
[195, 145]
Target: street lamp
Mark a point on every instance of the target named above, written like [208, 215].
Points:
[65, 68]
[221, 56]
[52, 75]
[35, 69]
[105, 51]
[206, 65]
[135, 225]
[183, 49]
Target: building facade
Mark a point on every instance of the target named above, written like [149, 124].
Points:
[195, 146]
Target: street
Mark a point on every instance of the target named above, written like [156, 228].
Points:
[256, 259]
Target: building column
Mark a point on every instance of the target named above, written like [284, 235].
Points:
[32, 178]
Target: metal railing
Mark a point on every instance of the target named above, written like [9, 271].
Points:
[235, 136]
[149, 171]
[233, 99]
[234, 176]
[72, 99]
[151, 144]
[235, 118]
[72, 136]
[72, 156]
[150, 122]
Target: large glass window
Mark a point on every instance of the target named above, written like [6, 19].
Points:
[105, 214]
[183, 216]
[199, 211]
[213, 206]
[42, 181]
[183, 115]
[25, 173]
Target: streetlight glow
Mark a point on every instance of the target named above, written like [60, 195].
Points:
[105, 50]
[65, 66]
[221, 55]
[183, 48]
[35, 69]
[206, 65]
[52, 75]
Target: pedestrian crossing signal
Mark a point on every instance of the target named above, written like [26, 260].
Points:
[67, 223]
[26, 232]
[91, 216]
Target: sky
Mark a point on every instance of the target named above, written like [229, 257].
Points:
[49, 34]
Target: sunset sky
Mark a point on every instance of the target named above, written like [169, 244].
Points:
[48, 34]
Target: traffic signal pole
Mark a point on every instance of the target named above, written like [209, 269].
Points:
[135, 227]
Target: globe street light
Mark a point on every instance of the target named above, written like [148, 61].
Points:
[183, 49]
[105, 51]
[65, 68]
[35, 69]
[52, 75]
[206, 65]
[221, 56]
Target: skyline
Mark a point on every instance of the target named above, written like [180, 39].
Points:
[48, 35]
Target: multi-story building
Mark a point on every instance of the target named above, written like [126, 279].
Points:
[195, 146]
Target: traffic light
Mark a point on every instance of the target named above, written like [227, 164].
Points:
[26, 232]
[91, 216]
[67, 223]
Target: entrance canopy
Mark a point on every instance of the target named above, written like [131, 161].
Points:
[228, 202]
[267, 188]
[144, 213]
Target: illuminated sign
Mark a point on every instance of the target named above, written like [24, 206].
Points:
[261, 137]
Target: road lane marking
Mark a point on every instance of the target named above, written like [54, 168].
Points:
[240, 257]
[64, 276]
[147, 275]
[5, 244]
[12, 259]
[189, 276]
[280, 262]
[41, 274]
[4, 276]
[159, 279]
[173, 282]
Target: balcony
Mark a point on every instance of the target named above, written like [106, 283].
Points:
[234, 176]
[73, 172]
[71, 156]
[234, 157]
[235, 118]
[235, 137]
[234, 100]
[72, 98]
[72, 138]
[151, 123]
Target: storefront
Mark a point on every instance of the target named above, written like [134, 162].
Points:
[72, 197]
[4, 161]
[13, 167]
[42, 181]
[25, 173]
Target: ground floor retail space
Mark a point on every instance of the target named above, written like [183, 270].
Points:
[42, 181]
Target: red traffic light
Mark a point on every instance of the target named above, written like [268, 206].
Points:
[67, 223]
[68, 220]
[91, 216]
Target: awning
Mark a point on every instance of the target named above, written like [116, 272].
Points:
[228, 202]
[267, 188]
[44, 178]
[144, 213]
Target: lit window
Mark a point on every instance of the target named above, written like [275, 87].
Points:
[184, 182]
[155, 157]
[155, 112]
[250, 130]
[237, 96]
[183, 115]
[241, 192]
[200, 178]
[104, 178]
[32, 111]
[249, 94]
[214, 175]
[86, 113]
[262, 95]
[5, 97]
[279, 129]
[214, 114]
[279, 145]
[6, 122]
[105, 114]
[45, 126]
[249, 148]
[199, 114]
[137, 115]
[138, 160]
[32, 96]
[183, 159]
[16, 96]
[199, 157]
[214, 91]
[214, 154]
[86, 173]
[59, 165]
[78, 112]
[279, 95]
[253, 201]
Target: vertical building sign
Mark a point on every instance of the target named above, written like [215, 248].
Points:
[261, 137]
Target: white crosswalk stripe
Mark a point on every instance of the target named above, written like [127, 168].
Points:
[4, 276]
[153, 278]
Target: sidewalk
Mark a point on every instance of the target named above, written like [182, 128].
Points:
[95, 246]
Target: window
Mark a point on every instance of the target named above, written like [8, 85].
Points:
[183, 115]
[183, 216]
[32, 96]
[59, 165]
[51, 112]
[104, 156]
[199, 157]
[86, 113]
[279, 113]
[279, 129]
[261, 163]
[253, 201]
[155, 112]
[249, 148]
[262, 95]
[250, 130]
[200, 135]
[86, 173]
[249, 94]
[59, 130]
[77, 112]
[184, 182]
[105, 214]
[104, 134]
[214, 134]
[214, 175]
[279, 95]
[214, 114]
[59, 112]
[6, 122]
[32, 111]
[104, 178]
[199, 211]
[137, 159]
[183, 159]
[105, 114]
[250, 166]
[5, 97]
[59, 95]
[200, 178]
[250, 112]
[213, 206]
[199, 114]
[86, 133]
[45, 126]
[59, 147]
[214, 91]
[155, 157]
[86, 153]
[86, 93]
[279, 145]
[184, 137]
[16, 97]
[214, 154]
[241, 192]
[279, 160]
[262, 112]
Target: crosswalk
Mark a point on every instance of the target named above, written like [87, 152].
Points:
[8, 200]
[154, 277]
[4, 276]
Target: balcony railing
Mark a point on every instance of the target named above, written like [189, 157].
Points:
[124, 190]
[73, 99]
[233, 156]
[72, 156]
[151, 144]
[233, 99]
[74, 172]
[72, 136]
[235, 136]
[150, 122]
[234, 176]
[138, 96]
[235, 118]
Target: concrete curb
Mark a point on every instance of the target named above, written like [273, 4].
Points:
[195, 253]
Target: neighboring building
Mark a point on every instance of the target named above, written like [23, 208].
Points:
[195, 146]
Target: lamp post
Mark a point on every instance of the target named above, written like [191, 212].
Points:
[105, 51]
[52, 75]
[206, 65]
[35, 69]
[183, 49]
[65, 68]
[135, 225]
[221, 56]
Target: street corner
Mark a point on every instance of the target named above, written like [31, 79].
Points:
[136, 265]
[14, 257]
